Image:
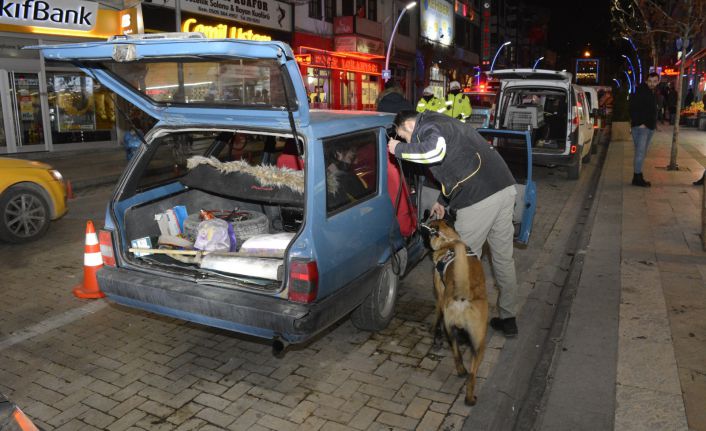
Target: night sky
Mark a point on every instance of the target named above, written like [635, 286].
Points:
[576, 24]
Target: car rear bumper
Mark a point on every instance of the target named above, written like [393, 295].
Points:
[252, 313]
[554, 159]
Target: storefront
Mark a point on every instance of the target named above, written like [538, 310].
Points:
[51, 107]
[436, 36]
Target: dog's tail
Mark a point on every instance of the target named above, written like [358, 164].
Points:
[462, 288]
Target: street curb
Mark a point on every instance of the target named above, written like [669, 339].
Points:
[502, 394]
[79, 185]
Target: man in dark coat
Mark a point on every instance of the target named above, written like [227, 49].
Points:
[643, 119]
[392, 99]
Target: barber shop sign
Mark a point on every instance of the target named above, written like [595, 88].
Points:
[74, 14]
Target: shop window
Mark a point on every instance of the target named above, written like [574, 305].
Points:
[351, 170]
[24, 91]
[349, 91]
[370, 89]
[80, 109]
[317, 87]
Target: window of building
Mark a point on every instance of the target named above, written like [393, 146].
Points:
[372, 10]
[317, 87]
[370, 86]
[315, 9]
[351, 170]
[367, 9]
[347, 8]
[329, 9]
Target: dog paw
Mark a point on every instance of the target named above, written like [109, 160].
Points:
[472, 402]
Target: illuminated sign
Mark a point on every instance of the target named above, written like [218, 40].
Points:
[670, 72]
[222, 31]
[131, 20]
[339, 62]
[264, 13]
[70, 14]
[485, 33]
[587, 71]
[107, 23]
[437, 18]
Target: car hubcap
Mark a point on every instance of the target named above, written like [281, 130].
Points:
[25, 215]
[386, 299]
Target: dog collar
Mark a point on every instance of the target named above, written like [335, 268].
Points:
[449, 257]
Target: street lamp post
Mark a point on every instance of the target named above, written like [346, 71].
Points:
[492, 65]
[537, 62]
[637, 55]
[386, 75]
[634, 86]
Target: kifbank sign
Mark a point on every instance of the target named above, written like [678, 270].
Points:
[71, 14]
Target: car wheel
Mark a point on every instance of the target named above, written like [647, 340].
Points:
[377, 309]
[24, 215]
[575, 170]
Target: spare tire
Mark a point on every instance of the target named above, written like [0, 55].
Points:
[249, 224]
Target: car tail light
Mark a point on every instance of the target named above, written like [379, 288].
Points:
[105, 239]
[573, 149]
[303, 281]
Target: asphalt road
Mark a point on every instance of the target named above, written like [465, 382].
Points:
[74, 364]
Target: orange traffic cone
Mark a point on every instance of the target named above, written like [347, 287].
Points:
[92, 261]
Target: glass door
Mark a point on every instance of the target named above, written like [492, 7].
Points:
[27, 109]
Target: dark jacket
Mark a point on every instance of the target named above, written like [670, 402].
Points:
[468, 168]
[391, 100]
[643, 107]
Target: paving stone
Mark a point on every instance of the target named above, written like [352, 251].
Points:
[97, 418]
[397, 421]
[68, 415]
[103, 388]
[100, 402]
[386, 405]
[47, 396]
[436, 396]
[453, 422]
[333, 414]
[271, 408]
[72, 425]
[241, 405]
[377, 391]
[193, 424]
[237, 391]
[246, 420]
[156, 409]
[212, 401]
[185, 413]
[266, 394]
[125, 422]
[215, 417]
[417, 408]
[276, 423]
[209, 387]
[40, 411]
[431, 422]
[442, 408]
[364, 418]
[347, 389]
[302, 411]
[312, 423]
[333, 426]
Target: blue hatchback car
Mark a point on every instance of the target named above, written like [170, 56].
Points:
[320, 224]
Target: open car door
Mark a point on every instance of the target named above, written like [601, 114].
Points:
[180, 78]
[515, 147]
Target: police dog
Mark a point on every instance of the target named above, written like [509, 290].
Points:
[461, 299]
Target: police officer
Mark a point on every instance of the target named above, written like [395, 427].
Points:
[429, 102]
[458, 105]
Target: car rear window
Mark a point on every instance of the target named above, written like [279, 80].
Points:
[219, 83]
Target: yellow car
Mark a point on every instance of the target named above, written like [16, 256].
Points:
[31, 195]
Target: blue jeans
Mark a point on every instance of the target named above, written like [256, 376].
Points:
[641, 137]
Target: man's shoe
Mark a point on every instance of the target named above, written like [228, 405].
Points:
[700, 181]
[640, 181]
[507, 326]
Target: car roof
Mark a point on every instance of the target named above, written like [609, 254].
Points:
[325, 122]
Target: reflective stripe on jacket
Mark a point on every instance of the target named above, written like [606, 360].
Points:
[458, 106]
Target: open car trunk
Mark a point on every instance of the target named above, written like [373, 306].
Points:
[240, 180]
[543, 111]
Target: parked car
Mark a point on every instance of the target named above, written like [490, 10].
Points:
[31, 195]
[323, 224]
[12, 418]
[554, 109]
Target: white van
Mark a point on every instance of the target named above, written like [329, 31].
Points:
[554, 109]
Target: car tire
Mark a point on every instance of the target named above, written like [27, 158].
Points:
[574, 171]
[378, 308]
[24, 215]
[255, 223]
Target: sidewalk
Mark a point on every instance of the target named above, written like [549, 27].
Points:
[633, 351]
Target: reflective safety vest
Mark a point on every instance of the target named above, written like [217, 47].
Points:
[458, 106]
[434, 104]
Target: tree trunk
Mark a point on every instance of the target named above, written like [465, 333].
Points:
[673, 165]
[703, 216]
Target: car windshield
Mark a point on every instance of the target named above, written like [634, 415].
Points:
[229, 82]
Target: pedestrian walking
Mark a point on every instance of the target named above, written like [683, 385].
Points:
[478, 188]
[392, 99]
[458, 105]
[643, 120]
[429, 102]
